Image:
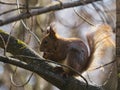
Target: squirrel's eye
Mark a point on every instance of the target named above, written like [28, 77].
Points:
[45, 42]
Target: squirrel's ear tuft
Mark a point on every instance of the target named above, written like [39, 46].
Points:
[51, 32]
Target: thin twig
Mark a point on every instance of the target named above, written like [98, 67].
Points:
[103, 65]
[3, 41]
[106, 80]
[6, 44]
[83, 18]
[99, 12]
[26, 27]
[17, 85]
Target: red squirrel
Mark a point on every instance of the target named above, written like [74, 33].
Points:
[68, 51]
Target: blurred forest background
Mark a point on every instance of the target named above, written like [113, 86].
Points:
[31, 29]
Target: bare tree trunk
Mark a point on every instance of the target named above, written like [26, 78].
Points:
[118, 39]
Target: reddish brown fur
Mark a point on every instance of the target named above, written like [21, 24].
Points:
[69, 51]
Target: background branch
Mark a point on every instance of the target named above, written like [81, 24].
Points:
[6, 3]
[51, 7]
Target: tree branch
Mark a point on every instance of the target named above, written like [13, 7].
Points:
[51, 7]
[44, 70]
[33, 62]
[6, 3]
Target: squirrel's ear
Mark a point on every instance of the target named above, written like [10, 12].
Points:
[51, 32]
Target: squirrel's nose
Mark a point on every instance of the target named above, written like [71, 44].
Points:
[43, 49]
